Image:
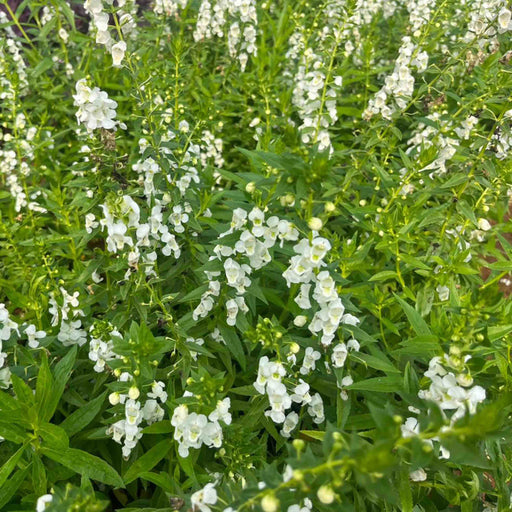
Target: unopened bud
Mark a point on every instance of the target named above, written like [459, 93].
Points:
[326, 494]
[134, 393]
[315, 224]
[114, 398]
[270, 503]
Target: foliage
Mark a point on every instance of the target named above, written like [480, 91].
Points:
[255, 256]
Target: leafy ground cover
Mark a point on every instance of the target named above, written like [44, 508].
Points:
[254, 255]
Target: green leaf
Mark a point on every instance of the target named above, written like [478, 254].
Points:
[384, 276]
[61, 376]
[44, 390]
[80, 418]
[160, 427]
[405, 491]
[379, 384]
[148, 461]
[318, 435]
[12, 432]
[85, 464]
[379, 363]
[22, 390]
[9, 465]
[234, 344]
[8, 490]
[162, 480]
[53, 436]
[418, 324]
[496, 332]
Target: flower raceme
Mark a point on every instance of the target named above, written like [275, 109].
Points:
[95, 108]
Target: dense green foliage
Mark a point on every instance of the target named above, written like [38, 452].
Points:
[270, 274]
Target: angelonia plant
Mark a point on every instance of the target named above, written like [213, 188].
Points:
[256, 256]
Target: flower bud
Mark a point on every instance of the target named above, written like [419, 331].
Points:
[114, 398]
[134, 393]
[315, 223]
[300, 321]
[329, 207]
[326, 494]
[270, 503]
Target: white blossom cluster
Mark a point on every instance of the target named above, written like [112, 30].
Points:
[445, 139]
[193, 430]
[169, 7]
[124, 229]
[270, 382]
[399, 85]
[101, 348]
[100, 23]
[314, 96]
[6, 327]
[451, 392]
[11, 51]
[257, 236]
[17, 142]
[204, 497]
[304, 269]
[211, 149]
[129, 428]
[315, 89]
[95, 108]
[141, 233]
[488, 18]
[241, 18]
[67, 314]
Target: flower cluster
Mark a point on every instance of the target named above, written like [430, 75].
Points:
[67, 314]
[100, 22]
[450, 391]
[95, 108]
[169, 7]
[256, 236]
[193, 430]
[211, 21]
[6, 327]
[398, 86]
[101, 346]
[314, 96]
[135, 413]
[304, 269]
[270, 382]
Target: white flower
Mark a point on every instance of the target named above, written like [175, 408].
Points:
[158, 391]
[316, 408]
[484, 224]
[33, 336]
[43, 501]
[290, 422]
[443, 292]
[204, 497]
[418, 476]
[309, 362]
[339, 355]
[118, 51]
[221, 412]
[301, 393]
